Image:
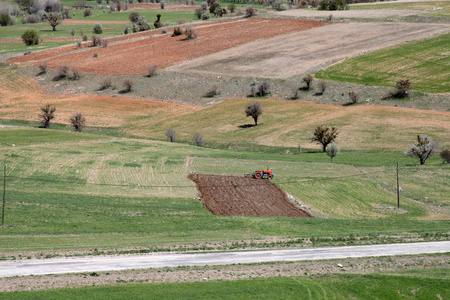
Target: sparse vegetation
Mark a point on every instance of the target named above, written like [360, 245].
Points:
[324, 135]
[250, 12]
[423, 148]
[254, 110]
[42, 68]
[78, 122]
[177, 31]
[63, 72]
[105, 84]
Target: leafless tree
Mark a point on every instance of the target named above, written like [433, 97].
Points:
[171, 134]
[78, 122]
[48, 114]
[198, 140]
[254, 110]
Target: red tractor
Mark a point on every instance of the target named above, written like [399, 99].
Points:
[264, 174]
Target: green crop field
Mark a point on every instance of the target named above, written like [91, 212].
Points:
[417, 284]
[425, 63]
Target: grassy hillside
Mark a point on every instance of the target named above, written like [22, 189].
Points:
[426, 63]
[418, 284]
[83, 191]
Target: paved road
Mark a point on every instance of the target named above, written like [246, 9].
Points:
[109, 263]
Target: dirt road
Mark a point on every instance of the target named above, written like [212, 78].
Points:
[91, 264]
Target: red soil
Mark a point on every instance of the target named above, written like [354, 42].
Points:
[235, 195]
[137, 51]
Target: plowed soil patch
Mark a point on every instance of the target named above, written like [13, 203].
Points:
[135, 52]
[235, 195]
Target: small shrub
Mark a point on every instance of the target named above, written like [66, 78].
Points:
[79, 44]
[162, 4]
[171, 134]
[308, 79]
[87, 12]
[212, 92]
[213, 6]
[105, 84]
[204, 5]
[402, 89]
[250, 12]
[151, 70]
[181, 21]
[78, 122]
[31, 19]
[354, 97]
[76, 74]
[63, 72]
[299, 148]
[177, 31]
[43, 68]
[125, 31]
[96, 41]
[198, 140]
[263, 89]
[104, 43]
[5, 20]
[73, 31]
[322, 85]
[30, 37]
[98, 28]
[128, 85]
[133, 17]
[198, 12]
[158, 23]
[445, 155]
[231, 7]
[295, 94]
[95, 55]
[190, 33]
[205, 16]
[85, 38]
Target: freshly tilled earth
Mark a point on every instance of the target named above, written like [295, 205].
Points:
[238, 195]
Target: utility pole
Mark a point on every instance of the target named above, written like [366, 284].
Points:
[398, 190]
[4, 194]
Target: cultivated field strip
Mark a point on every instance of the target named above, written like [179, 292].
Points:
[139, 53]
[308, 50]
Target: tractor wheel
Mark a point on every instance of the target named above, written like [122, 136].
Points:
[257, 175]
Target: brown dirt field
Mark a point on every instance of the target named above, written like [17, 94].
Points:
[309, 50]
[304, 269]
[236, 195]
[21, 99]
[134, 56]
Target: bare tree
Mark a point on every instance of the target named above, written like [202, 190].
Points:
[78, 122]
[48, 114]
[445, 155]
[198, 139]
[171, 134]
[423, 148]
[332, 150]
[324, 136]
[254, 110]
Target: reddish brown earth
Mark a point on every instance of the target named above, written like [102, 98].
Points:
[236, 195]
[133, 54]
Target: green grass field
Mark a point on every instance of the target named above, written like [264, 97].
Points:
[425, 63]
[84, 191]
[417, 284]
[436, 8]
